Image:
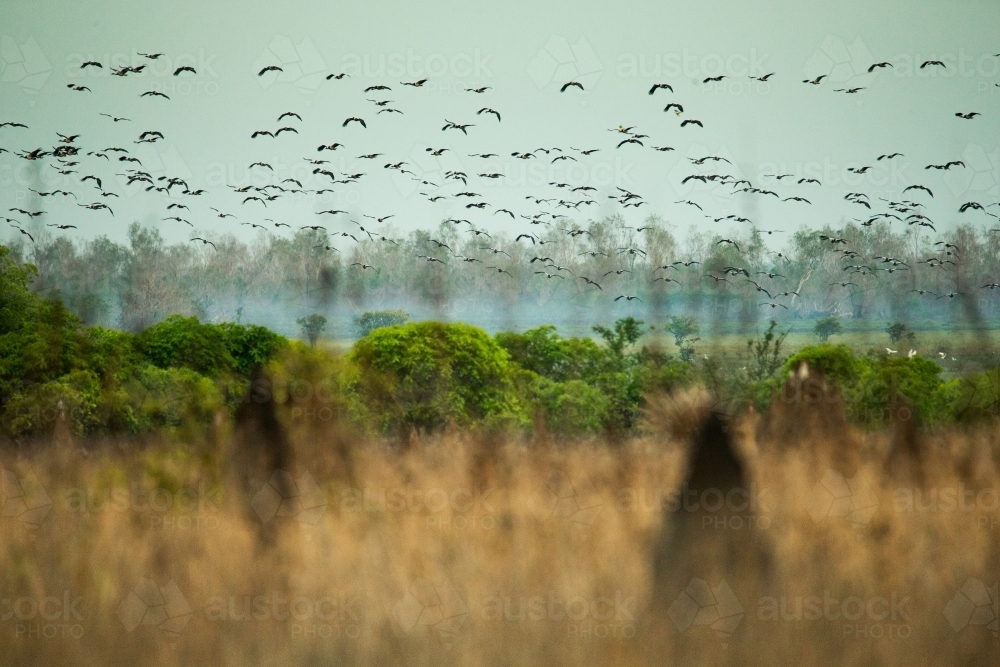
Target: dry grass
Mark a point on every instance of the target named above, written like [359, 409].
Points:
[479, 549]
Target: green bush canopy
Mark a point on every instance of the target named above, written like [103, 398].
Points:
[427, 373]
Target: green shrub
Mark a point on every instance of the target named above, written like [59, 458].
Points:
[569, 408]
[663, 372]
[17, 301]
[36, 409]
[427, 373]
[184, 342]
[250, 345]
[836, 362]
[376, 319]
[898, 332]
[827, 327]
[48, 345]
[624, 392]
[544, 352]
[911, 386]
[976, 397]
[684, 330]
[175, 399]
[626, 332]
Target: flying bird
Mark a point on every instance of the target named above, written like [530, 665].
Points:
[455, 126]
[919, 187]
[488, 110]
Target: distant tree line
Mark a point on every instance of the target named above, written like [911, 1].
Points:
[276, 280]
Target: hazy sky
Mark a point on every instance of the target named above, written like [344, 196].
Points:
[524, 51]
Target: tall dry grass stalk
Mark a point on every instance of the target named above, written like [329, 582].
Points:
[292, 541]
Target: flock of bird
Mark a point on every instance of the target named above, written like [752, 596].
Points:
[70, 159]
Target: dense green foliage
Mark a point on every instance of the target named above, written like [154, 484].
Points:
[428, 373]
[179, 373]
[580, 386]
[173, 375]
[877, 387]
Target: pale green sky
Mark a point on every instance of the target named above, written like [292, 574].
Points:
[524, 52]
